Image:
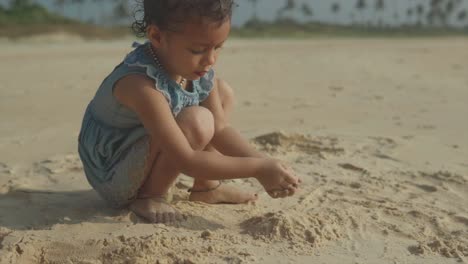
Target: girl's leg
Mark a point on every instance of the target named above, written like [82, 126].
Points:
[198, 126]
[203, 189]
[227, 101]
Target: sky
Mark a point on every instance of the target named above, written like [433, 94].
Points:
[100, 12]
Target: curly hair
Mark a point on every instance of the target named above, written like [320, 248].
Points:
[168, 14]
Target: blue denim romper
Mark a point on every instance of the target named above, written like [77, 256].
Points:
[113, 144]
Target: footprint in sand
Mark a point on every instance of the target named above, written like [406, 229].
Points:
[445, 247]
[426, 188]
[301, 105]
[59, 164]
[336, 88]
[461, 219]
[426, 127]
[384, 156]
[5, 169]
[348, 166]
[443, 176]
[320, 147]
[247, 103]
[378, 97]
[400, 61]
[382, 145]
[384, 142]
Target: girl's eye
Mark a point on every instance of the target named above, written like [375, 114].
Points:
[197, 52]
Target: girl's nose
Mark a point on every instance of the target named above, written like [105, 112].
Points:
[210, 58]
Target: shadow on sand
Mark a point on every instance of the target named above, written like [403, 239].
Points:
[27, 209]
[24, 209]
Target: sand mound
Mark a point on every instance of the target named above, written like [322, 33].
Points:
[316, 230]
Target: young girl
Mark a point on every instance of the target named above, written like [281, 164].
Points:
[162, 112]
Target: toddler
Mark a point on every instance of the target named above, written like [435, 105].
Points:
[162, 111]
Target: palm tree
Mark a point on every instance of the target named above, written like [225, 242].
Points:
[409, 14]
[419, 13]
[102, 10]
[254, 5]
[307, 10]
[121, 10]
[437, 15]
[462, 16]
[335, 8]
[80, 4]
[451, 7]
[60, 4]
[379, 7]
[14, 4]
[289, 5]
[361, 5]
[396, 13]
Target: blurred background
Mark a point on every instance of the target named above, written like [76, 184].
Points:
[111, 18]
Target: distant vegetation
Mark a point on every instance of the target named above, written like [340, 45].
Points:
[292, 29]
[421, 20]
[24, 13]
[25, 17]
[433, 14]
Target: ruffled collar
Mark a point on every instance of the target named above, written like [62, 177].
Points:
[141, 57]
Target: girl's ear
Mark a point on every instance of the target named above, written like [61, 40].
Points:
[154, 35]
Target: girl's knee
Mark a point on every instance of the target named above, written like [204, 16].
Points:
[197, 123]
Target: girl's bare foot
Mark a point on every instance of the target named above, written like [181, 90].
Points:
[222, 194]
[156, 210]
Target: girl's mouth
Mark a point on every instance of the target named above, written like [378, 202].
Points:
[201, 73]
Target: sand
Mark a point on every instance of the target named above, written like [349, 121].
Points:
[376, 128]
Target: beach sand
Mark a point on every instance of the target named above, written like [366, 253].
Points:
[376, 128]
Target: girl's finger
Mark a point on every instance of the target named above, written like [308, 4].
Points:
[273, 193]
[288, 186]
[291, 179]
[284, 193]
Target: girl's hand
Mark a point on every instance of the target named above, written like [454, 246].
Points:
[278, 179]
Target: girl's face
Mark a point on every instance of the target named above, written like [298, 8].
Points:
[192, 51]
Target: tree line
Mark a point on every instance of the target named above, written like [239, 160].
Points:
[437, 13]
[119, 9]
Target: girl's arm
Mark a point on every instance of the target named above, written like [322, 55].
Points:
[137, 93]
